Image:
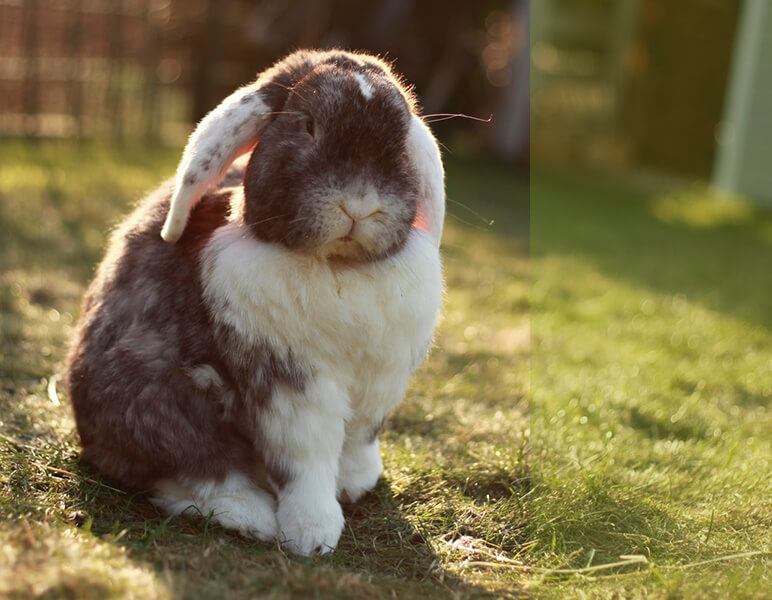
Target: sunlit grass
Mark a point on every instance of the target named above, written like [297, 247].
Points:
[651, 379]
[454, 451]
[651, 390]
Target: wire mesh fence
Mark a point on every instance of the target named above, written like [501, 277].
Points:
[94, 68]
[148, 69]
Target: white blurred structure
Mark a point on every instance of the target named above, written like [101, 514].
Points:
[744, 157]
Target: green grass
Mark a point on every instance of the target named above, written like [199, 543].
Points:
[651, 388]
[455, 474]
[650, 432]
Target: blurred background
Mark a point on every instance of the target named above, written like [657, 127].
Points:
[149, 69]
[623, 82]
[601, 293]
[677, 88]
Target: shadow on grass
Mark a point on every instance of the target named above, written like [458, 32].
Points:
[380, 552]
[723, 266]
[657, 427]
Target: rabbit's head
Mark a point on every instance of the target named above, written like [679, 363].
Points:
[342, 166]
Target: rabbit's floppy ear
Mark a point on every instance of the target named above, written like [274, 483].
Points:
[223, 135]
[424, 152]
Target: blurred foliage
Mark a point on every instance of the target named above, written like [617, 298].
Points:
[678, 75]
[631, 82]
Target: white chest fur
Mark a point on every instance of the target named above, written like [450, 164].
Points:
[366, 326]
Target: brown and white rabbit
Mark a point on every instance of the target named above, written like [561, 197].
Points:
[274, 327]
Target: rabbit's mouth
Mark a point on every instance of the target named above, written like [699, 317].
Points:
[346, 247]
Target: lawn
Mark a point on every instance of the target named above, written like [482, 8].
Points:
[452, 498]
[651, 388]
[649, 439]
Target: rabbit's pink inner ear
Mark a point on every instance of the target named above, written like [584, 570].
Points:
[230, 130]
[421, 221]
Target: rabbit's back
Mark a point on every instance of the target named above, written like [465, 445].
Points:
[141, 409]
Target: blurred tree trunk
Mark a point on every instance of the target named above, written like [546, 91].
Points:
[677, 82]
[511, 124]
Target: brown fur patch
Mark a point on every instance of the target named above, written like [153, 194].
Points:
[209, 214]
[144, 325]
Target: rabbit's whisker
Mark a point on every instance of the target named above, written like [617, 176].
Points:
[301, 219]
[290, 89]
[266, 220]
[488, 222]
[434, 118]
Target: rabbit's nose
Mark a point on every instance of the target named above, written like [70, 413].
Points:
[356, 215]
[361, 208]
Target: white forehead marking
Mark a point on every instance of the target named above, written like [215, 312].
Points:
[365, 86]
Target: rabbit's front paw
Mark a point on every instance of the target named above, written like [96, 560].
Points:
[358, 472]
[309, 525]
[233, 503]
[250, 512]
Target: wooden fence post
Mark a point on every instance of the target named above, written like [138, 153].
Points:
[75, 74]
[115, 81]
[30, 98]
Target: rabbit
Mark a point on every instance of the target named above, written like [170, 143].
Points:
[256, 319]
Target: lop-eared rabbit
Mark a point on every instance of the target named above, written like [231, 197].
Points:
[253, 323]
